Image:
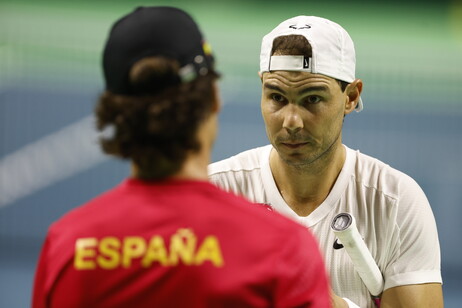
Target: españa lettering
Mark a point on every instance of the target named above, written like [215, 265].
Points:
[111, 252]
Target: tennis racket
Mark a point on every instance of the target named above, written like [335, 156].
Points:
[344, 227]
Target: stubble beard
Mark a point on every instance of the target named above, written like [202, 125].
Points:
[316, 160]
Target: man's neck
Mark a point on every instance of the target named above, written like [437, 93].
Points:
[193, 168]
[305, 188]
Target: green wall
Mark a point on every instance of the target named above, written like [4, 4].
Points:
[408, 55]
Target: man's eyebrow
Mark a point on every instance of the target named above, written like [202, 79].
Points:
[313, 89]
[301, 92]
[274, 87]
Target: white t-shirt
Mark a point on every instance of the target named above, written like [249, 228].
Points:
[391, 211]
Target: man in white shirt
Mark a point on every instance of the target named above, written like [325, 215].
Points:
[307, 68]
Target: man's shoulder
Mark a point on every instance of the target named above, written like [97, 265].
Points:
[374, 173]
[89, 215]
[369, 164]
[245, 161]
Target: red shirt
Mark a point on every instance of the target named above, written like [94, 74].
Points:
[178, 244]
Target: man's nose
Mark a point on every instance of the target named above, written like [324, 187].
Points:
[292, 119]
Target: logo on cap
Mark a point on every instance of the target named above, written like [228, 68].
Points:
[306, 62]
[207, 48]
[298, 28]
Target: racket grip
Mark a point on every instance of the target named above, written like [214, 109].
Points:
[344, 227]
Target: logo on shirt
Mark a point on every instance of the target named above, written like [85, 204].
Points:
[112, 252]
[338, 244]
[266, 206]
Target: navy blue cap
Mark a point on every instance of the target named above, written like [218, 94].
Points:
[154, 31]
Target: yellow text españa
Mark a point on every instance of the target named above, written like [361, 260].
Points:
[111, 252]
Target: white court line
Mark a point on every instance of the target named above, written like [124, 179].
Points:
[48, 160]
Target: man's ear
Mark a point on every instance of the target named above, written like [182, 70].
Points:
[353, 92]
[260, 75]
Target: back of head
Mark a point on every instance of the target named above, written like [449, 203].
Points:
[310, 44]
[159, 74]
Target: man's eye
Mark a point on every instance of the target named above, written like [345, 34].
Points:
[313, 99]
[277, 97]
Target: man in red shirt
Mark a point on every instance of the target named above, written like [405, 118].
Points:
[165, 237]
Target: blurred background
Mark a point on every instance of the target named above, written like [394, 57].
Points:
[409, 55]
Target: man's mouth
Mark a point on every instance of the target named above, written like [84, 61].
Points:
[294, 145]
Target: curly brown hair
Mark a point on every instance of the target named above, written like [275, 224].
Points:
[297, 45]
[156, 127]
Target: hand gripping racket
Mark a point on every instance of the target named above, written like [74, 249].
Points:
[344, 227]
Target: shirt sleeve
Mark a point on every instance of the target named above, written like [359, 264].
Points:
[415, 257]
[302, 275]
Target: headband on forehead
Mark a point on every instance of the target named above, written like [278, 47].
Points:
[333, 52]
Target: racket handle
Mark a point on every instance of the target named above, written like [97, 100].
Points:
[344, 227]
